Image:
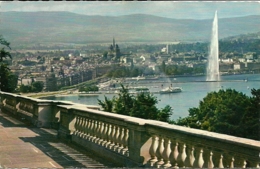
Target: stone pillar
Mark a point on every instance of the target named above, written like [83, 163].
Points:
[43, 113]
[136, 141]
[16, 105]
[10, 103]
[67, 123]
[56, 112]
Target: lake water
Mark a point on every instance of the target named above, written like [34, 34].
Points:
[194, 90]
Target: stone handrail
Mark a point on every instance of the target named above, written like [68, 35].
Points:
[186, 147]
[103, 132]
[156, 144]
[133, 141]
[41, 113]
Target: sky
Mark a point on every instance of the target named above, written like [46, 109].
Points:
[169, 9]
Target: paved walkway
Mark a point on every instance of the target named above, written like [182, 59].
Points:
[23, 146]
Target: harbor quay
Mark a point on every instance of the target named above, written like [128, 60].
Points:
[39, 133]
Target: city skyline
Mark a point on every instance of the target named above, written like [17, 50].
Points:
[169, 9]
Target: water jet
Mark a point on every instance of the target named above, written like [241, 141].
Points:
[213, 58]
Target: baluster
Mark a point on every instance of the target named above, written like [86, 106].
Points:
[106, 130]
[91, 130]
[101, 133]
[182, 155]
[166, 153]
[232, 162]
[125, 140]
[199, 161]
[84, 121]
[97, 131]
[77, 126]
[257, 165]
[152, 151]
[220, 165]
[159, 152]
[112, 137]
[80, 126]
[88, 129]
[254, 164]
[121, 140]
[244, 164]
[175, 153]
[116, 138]
[190, 157]
[210, 162]
[85, 129]
[108, 133]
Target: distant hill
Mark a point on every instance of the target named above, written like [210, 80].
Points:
[244, 37]
[66, 27]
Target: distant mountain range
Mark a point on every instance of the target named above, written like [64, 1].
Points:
[66, 27]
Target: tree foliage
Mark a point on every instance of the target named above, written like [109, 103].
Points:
[8, 81]
[3, 52]
[51, 83]
[37, 86]
[125, 72]
[91, 88]
[142, 105]
[27, 63]
[34, 87]
[228, 112]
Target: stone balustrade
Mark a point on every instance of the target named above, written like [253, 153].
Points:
[133, 141]
[41, 113]
[193, 148]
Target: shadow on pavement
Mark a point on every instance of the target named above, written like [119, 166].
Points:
[65, 154]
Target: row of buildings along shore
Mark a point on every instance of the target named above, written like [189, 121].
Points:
[66, 68]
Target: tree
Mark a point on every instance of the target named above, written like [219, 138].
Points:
[51, 83]
[107, 105]
[8, 81]
[88, 88]
[163, 66]
[25, 88]
[105, 53]
[37, 86]
[228, 112]
[143, 105]
[3, 53]
[250, 120]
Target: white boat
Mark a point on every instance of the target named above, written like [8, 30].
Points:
[138, 78]
[171, 90]
[89, 93]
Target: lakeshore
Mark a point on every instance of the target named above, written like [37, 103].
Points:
[194, 90]
[159, 82]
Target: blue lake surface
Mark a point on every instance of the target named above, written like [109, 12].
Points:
[194, 90]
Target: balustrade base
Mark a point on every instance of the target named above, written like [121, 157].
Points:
[102, 151]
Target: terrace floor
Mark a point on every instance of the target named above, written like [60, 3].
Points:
[24, 146]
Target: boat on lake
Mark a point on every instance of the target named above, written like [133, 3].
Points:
[139, 90]
[170, 90]
[89, 93]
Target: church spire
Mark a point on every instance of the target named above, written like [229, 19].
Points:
[114, 43]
